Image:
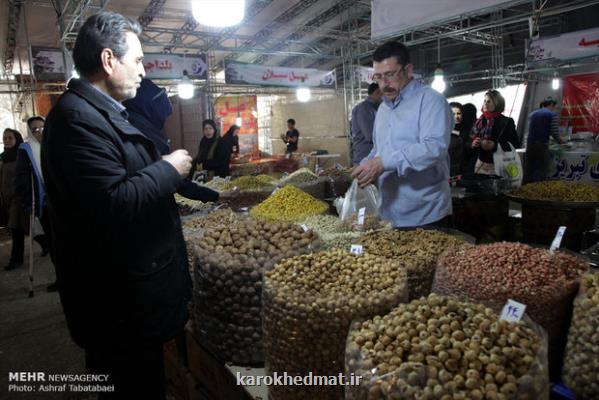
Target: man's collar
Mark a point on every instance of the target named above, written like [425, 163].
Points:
[95, 95]
[403, 93]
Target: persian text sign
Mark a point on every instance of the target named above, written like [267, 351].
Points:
[568, 46]
[171, 66]
[238, 73]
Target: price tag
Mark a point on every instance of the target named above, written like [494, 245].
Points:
[558, 239]
[228, 179]
[361, 213]
[512, 311]
[356, 249]
[304, 227]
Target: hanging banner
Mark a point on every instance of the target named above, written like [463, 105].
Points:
[389, 17]
[364, 74]
[238, 73]
[568, 46]
[579, 102]
[171, 66]
[228, 109]
[48, 64]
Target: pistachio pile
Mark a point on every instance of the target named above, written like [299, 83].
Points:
[418, 250]
[545, 282]
[558, 191]
[371, 222]
[581, 364]
[230, 261]
[437, 348]
[302, 175]
[309, 302]
[252, 183]
[289, 204]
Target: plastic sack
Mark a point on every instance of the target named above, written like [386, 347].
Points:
[581, 364]
[395, 356]
[309, 303]
[545, 282]
[508, 165]
[229, 263]
[357, 199]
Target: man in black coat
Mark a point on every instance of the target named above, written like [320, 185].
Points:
[120, 256]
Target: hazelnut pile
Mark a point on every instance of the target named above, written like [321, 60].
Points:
[229, 264]
[418, 250]
[581, 364]
[545, 282]
[309, 302]
[437, 348]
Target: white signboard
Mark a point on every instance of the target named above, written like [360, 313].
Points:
[364, 74]
[171, 66]
[391, 16]
[48, 63]
[565, 47]
[239, 73]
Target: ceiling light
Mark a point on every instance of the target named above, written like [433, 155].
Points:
[185, 87]
[555, 82]
[438, 82]
[303, 94]
[218, 13]
[238, 121]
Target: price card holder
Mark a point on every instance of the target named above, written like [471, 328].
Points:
[557, 241]
[305, 228]
[361, 214]
[356, 249]
[512, 311]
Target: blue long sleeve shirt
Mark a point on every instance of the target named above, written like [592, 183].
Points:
[362, 122]
[543, 123]
[411, 136]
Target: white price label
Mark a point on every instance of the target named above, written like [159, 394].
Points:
[227, 179]
[361, 214]
[356, 249]
[558, 239]
[304, 227]
[512, 311]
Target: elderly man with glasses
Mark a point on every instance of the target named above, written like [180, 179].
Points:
[409, 161]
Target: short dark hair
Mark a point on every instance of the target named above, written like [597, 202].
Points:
[455, 104]
[548, 101]
[35, 118]
[498, 100]
[291, 121]
[105, 30]
[373, 87]
[392, 49]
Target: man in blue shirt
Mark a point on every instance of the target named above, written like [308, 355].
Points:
[542, 123]
[362, 122]
[411, 135]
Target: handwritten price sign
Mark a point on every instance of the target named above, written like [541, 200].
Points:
[512, 311]
[356, 249]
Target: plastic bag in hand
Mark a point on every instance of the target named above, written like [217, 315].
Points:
[357, 198]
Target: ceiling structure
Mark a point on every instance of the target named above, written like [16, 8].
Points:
[478, 51]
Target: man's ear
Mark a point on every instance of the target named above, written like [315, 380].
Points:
[108, 61]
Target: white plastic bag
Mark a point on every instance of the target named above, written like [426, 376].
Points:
[359, 203]
[508, 165]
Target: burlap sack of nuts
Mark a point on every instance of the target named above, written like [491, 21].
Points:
[229, 264]
[581, 364]
[309, 303]
[418, 250]
[547, 283]
[439, 348]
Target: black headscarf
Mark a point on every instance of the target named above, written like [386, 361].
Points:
[208, 146]
[10, 155]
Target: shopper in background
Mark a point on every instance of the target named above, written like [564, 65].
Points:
[542, 124]
[362, 122]
[291, 137]
[121, 260]
[411, 135]
[213, 153]
[492, 128]
[469, 156]
[231, 139]
[11, 208]
[456, 146]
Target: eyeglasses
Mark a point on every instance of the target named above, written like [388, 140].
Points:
[388, 76]
[39, 129]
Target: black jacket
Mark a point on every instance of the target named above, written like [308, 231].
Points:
[121, 263]
[503, 130]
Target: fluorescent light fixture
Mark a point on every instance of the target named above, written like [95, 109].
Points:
[185, 87]
[218, 13]
[438, 82]
[303, 94]
[238, 120]
[555, 83]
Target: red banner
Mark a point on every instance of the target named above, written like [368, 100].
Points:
[580, 104]
[229, 109]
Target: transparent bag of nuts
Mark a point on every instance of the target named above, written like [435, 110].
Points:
[306, 318]
[483, 366]
[359, 206]
[581, 363]
[229, 263]
[546, 282]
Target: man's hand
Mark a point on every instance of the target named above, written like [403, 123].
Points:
[228, 194]
[180, 159]
[369, 171]
[476, 143]
[487, 145]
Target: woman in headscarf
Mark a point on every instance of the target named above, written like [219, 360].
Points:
[11, 210]
[231, 138]
[213, 153]
[490, 129]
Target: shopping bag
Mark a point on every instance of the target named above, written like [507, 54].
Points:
[359, 204]
[508, 165]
